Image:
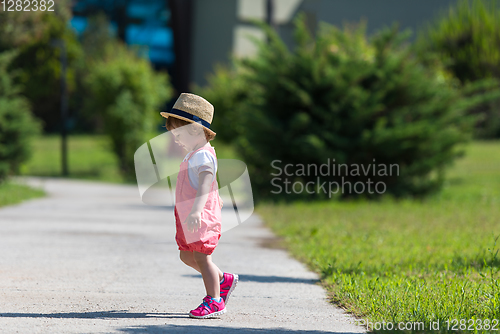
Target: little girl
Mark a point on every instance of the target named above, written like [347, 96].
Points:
[197, 202]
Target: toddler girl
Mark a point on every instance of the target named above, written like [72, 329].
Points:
[197, 202]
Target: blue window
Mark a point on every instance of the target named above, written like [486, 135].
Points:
[145, 23]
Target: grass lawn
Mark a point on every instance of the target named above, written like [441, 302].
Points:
[89, 157]
[400, 261]
[12, 193]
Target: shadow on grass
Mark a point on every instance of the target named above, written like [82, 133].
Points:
[480, 261]
[459, 265]
[93, 173]
[456, 181]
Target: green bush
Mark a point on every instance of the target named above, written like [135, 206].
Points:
[360, 102]
[17, 126]
[226, 91]
[38, 59]
[96, 41]
[467, 39]
[127, 93]
[20, 28]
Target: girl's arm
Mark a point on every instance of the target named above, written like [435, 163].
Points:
[194, 218]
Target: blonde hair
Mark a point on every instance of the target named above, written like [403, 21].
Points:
[174, 123]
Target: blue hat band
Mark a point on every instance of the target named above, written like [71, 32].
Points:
[192, 117]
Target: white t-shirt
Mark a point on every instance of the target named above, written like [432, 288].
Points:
[201, 161]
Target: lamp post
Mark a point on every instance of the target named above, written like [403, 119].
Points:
[182, 28]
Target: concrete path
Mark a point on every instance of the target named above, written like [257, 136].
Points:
[92, 258]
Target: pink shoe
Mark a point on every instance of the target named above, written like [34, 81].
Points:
[227, 286]
[208, 309]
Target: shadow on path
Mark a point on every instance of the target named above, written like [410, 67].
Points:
[213, 329]
[160, 328]
[95, 315]
[268, 279]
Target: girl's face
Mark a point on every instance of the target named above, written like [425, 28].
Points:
[184, 139]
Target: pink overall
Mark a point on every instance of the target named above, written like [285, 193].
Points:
[207, 237]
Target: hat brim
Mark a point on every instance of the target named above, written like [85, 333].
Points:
[167, 115]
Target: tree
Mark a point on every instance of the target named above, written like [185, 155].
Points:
[34, 34]
[467, 38]
[358, 101]
[127, 93]
[17, 125]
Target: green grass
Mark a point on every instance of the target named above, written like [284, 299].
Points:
[13, 193]
[399, 261]
[89, 157]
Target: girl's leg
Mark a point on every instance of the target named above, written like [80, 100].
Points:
[188, 258]
[210, 272]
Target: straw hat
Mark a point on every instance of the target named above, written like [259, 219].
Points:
[192, 108]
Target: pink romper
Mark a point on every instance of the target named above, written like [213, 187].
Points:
[207, 237]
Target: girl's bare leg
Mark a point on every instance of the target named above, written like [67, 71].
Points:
[209, 272]
[188, 258]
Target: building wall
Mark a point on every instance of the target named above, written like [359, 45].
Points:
[379, 13]
[284, 11]
[221, 26]
[214, 24]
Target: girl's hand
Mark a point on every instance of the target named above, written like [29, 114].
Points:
[193, 221]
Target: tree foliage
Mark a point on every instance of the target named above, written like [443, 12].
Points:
[341, 96]
[467, 39]
[226, 91]
[35, 35]
[127, 94]
[17, 125]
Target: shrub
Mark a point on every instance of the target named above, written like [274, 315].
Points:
[17, 125]
[467, 38]
[127, 93]
[226, 91]
[96, 41]
[360, 102]
[34, 34]
[20, 28]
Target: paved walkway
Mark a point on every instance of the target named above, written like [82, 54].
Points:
[92, 258]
